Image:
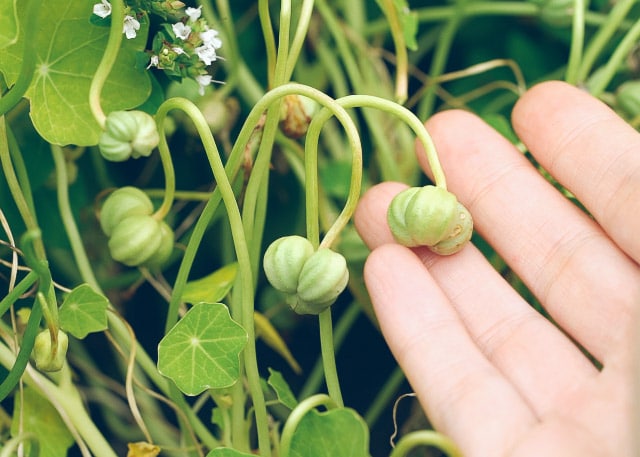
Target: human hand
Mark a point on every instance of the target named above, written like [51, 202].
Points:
[489, 370]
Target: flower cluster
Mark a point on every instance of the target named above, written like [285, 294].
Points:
[182, 49]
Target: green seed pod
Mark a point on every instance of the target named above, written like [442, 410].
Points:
[128, 134]
[122, 203]
[165, 249]
[422, 216]
[135, 240]
[296, 114]
[283, 262]
[323, 277]
[45, 356]
[460, 235]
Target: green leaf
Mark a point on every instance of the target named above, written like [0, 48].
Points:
[227, 452]
[69, 49]
[282, 389]
[8, 23]
[339, 432]
[40, 418]
[211, 288]
[268, 333]
[202, 350]
[409, 22]
[83, 311]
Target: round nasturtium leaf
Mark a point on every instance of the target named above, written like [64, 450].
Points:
[68, 50]
[202, 350]
[8, 23]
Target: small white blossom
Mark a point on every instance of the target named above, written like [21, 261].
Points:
[193, 13]
[178, 50]
[154, 62]
[182, 31]
[203, 81]
[102, 9]
[210, 38]
[206, 54]
[131, 25]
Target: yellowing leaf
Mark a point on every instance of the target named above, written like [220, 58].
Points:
[211, 288]
[272, 338]
[142, 449]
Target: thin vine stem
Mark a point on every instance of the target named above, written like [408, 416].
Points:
[169, 179]
[106, 63]
[577, 42]
[425, 438]
[299, 37]
[297, 415]
[400, 45]
[10, 447]
[269, 39]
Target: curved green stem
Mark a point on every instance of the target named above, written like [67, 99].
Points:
[603, 36]
[269, 39]
[245, 314]
[28, 65]
[300, 36]
[602, 78]
[17, 291]
[169, 176]
[329, 356]
[108, 59]
[10, 447]
[296, 416]
[425, 438]
[577, 42]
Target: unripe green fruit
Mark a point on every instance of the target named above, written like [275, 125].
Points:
[128, 134]
[459, 236]
[283, 262]
[323, 278]
[162, 254]
[429, 216]
[422, 216]
[44, 358]
[123, 203]
[135, 240]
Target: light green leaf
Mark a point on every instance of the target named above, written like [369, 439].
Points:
[409, 22]
[268, 333]
[83, 311]
[41, 419]
[211, 288]
[8, 23]
[336, 433]
[202, 350]
[227, 452]
[69, 49]
[282, 389]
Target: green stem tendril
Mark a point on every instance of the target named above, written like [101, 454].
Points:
[425, 438]
[402, 59]
[297, 415]
[169, 176]
[299, 37]
[10, 447]
[603, 36]
[108, 59]
[269, 39]
[608, 71]
[577, 42]
[28, 65]
[245, 314]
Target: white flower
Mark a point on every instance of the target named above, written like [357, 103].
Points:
[154, 62]
[193, 13]
[210, 38]
[130, 27]
[207, 54]
[203, 81]
[178, 50]
[182, 31]
[102, 9]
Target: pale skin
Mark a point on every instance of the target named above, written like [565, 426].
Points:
[490, 371]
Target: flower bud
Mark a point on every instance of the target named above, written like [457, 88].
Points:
[422, 216]
[296, 114]
[136, 240]
[128, 134]
[46, 356]
[283, 262]
[323, 278]
[459, 236]
[122, 203]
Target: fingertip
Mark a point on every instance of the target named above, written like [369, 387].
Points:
[371, 213]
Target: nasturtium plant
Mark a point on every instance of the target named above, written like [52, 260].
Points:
[41, 418]
[211, 288]
[8, 23]
[282, 389]
[68, 50]
[83, 311]
[339, 432]
[202, 350]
